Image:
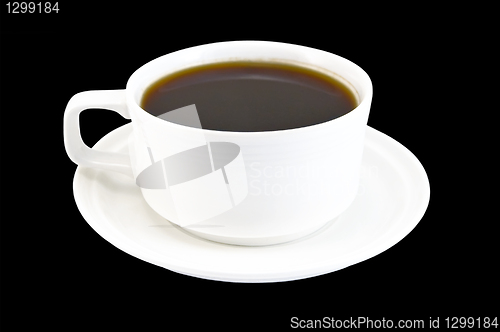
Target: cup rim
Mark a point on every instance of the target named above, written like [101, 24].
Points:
[365, 100]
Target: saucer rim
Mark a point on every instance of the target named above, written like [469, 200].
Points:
[313, 269]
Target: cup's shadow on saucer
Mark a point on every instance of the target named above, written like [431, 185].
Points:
[185, 230]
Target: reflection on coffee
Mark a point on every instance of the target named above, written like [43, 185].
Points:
[251, 96]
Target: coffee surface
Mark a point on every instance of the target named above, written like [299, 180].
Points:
[251, 96]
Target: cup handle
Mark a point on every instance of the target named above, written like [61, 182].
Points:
[76, 149]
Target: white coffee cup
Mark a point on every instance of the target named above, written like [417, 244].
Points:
[244, 188]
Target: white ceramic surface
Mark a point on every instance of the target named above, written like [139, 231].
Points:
[393, 195]
[281, 185]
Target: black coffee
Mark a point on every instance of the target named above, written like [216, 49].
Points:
[251, 96]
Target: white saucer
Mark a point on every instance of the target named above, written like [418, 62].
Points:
[393, 196]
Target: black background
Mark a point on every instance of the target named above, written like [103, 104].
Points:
[59, 273]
